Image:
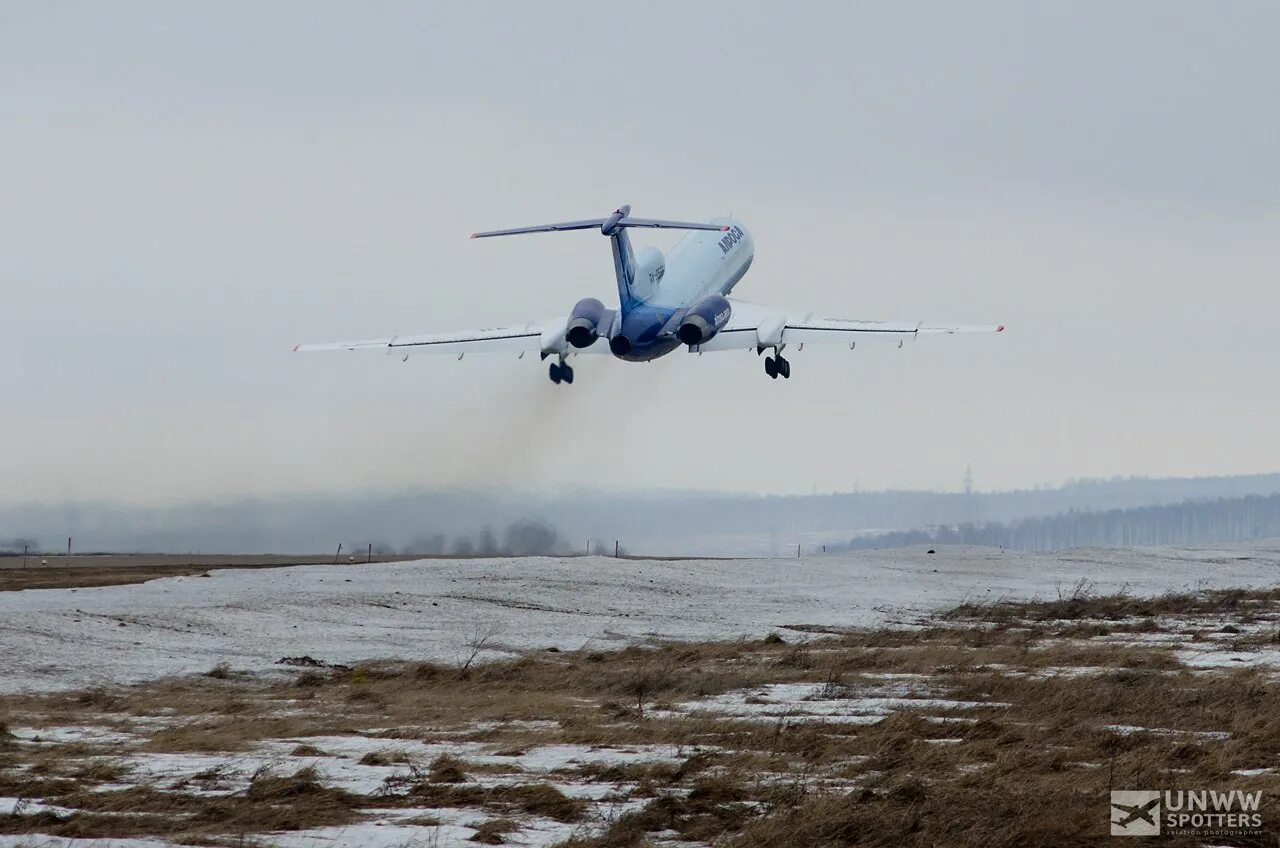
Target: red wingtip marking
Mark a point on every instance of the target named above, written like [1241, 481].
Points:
[1000, 329]
[724, 229]
[295, 348]
[473, 235]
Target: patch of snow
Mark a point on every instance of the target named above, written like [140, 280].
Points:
[823, 702]
[87, 734]
[1128, 729]
[1061, 671]
[41, 841]
[226, 773]
[1212, 657]
[13, 806]
[553, 757]
[357, 746]
[373, 835]
[515, 723]
[455, 829]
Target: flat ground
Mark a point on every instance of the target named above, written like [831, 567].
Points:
[428, 609]
[63, 572]
[867, 700]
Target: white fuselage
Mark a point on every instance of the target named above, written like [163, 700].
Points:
[702, 264]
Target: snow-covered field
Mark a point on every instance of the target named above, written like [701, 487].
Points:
[60, 638]
[687, 745]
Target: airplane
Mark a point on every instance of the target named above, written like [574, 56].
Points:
[664, 303]
[1146, 812]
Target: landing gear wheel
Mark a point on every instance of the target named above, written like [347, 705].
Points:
[770, 368]
[566, 373]
[555, 374]
[784, 368]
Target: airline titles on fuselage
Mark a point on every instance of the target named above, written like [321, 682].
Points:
[731, 238]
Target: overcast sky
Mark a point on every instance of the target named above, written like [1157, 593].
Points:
[187, 190]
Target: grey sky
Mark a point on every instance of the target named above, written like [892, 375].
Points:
[189, 190]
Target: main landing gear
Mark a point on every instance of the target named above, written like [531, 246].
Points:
[560, 372]
[776, 366]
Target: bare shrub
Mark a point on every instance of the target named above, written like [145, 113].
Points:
[481, 636]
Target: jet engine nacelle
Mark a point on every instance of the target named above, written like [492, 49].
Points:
[704, 319]
[587, 321]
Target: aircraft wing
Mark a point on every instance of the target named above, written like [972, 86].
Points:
[752, 326]
[534, 337]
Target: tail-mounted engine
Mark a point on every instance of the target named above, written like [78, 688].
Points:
[587, 322]
[704, 319]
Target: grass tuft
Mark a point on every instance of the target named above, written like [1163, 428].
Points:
[491, 832]
[447, 769]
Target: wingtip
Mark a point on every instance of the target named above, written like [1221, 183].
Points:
[1000, 329]
[295, 348]
[725, 228]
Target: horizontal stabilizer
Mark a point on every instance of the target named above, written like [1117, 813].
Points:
[608, 226]
[544, 228]
[669, 225]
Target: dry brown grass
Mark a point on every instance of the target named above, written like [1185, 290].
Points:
[308, 751]
[447, 769]
[711, 809]
[1081, 602]
[539, 799]
[51, 577]
[271, 802]
[384, 758]
[62, 572]
[494, 831]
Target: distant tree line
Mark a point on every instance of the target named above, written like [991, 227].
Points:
[1198, 522]
[520, 538]
[444, 521]
[17, 545]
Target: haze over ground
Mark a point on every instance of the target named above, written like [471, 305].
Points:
[188, 191]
